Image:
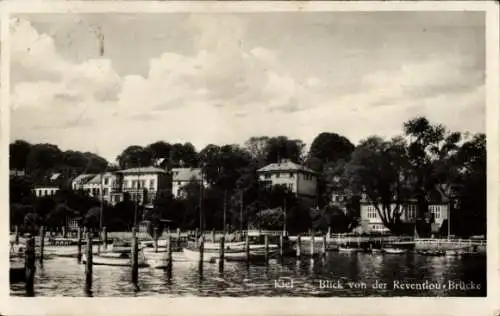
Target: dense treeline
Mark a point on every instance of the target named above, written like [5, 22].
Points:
[426, 163]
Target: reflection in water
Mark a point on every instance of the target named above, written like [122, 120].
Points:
[64, 277]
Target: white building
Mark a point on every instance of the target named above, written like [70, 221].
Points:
[370, 217]
[182, 176]
[93, 184]
[141, 183]
[297, 178]
[78, 183]
[48, 187]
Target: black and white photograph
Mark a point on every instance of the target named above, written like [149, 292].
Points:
[248, 154]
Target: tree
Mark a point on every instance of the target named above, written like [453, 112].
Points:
[331, 147]
[378, 169]
[281, 147]
[43, 158]
[256, 146]
[18, 154]
[135, 156]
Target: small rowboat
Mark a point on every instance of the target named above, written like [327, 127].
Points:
[211, 255]
[159, 260]
[395, 250]
[115, 259]
[349, 249]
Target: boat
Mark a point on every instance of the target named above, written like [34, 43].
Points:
[212, 255]
[393, 250]
[429, 252]
[120, 259]
[349, 249]
[158, 260]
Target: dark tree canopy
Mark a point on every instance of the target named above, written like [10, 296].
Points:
[331, 147]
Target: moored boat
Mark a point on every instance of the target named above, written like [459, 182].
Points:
[394, 250]
[115, 259]
[349, 249]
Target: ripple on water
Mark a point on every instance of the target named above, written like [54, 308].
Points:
[64, 277]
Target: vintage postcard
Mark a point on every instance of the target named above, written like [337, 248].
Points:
[250, 157]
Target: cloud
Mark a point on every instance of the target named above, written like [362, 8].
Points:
[229, 86]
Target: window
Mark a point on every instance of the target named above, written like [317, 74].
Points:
[134, 184]
[179, 183]
[106, 181]
[291, 174]
[290, 186]
[435, 210]
[152, 184]
[371, 212]
[277, 175]
[267, 176]
[411, 211]
[105, 191]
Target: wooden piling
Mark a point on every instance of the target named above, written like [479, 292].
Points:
[42, 244]
[178, 238]
[16, 232]
[266, 247]
[281, 246]
[247, 248]
[105, 237]
[312, 244]
[79, 245]
[297, 248]
[221, 255]
[155, 239]
[88, 264]
[169, 255]
[64, 232]
[213, 235]
[29, 266]
[323, 249]
[196, 237]
[201, 249]
[135, 256]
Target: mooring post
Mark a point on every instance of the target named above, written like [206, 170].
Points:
[312, 244]
[79, 245]
[201, 249]
[135, 256]
[88, 264]
[169, 255]
[155, 239]
[16, 232]
[178, 238]
[213, 235]
[196, 237]
[42, 244]
[297, 248]
[323, 249]
[29, 266]
[266, 248]
[221, 255]
[64, 232]
[105, 237]
[281, 246]
[247, 248]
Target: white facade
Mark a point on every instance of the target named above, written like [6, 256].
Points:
[45, 191]
[370, 216]
[137, 181]
[298, 179]
[182, 176]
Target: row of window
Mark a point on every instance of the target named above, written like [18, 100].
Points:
[138, 184]
[45, 192]
[411, 211]
[290, 175]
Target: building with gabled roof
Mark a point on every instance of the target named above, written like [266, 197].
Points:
[182, 176]
[297, 178]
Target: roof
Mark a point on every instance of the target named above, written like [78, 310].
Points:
[83, 178]
[143, 170]
[186, 174]
[285, 165]
[54, 180]
[98, 178]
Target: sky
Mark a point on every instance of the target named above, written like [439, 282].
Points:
[102, 82]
